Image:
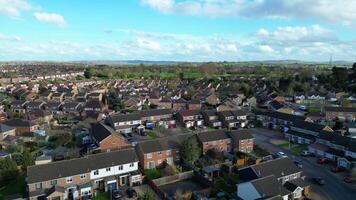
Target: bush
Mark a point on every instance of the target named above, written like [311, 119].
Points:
[153, 173]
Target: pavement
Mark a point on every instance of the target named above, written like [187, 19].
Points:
[334, 188]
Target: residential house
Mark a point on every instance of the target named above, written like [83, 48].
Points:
[211, 118]
[274, 178]
[5, 131]
[107, 139]
[303, 132]
[80, 178]
[125, 123]
[242, 141]
[332, 113]
[21, 125]
[215, 140]
[165, 103]
[54, 107]
[228, 119]
[190, 118]
[33, 105]
[152, 153]
[179, 104]
[74, 108]
[58, 96]
[194, 104]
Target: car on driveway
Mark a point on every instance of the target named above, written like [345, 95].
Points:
[117, 195]
[131, 193]
[318, 180]
[349, 179]
[281, 155]
[337, 169]
[323, 161]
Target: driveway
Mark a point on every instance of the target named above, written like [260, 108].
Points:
[334, 188]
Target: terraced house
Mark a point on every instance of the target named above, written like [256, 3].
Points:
[82, 177]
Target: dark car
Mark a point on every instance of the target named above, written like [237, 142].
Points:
[298, 164]
[318, 180]
[131, 193]
[337, 169]
[349, 179]
[117, 195]
[323, 161]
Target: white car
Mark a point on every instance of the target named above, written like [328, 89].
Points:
[281, 155]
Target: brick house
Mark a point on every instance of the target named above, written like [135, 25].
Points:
[165, 103]
[242, 141]
[194, 104]
[190, 118]
[21, 125]
[228, 119]
[215, 140]
[332, 113]
[79, 178]
[152, 153]
[211, 118]
[179, 104]
[107, 139]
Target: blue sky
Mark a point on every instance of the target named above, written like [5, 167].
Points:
[181, 30]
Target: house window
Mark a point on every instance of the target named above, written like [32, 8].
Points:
[121, 167]
[96, 172]
[38, 186]
[53, 182]
[131, 164]
[108, 169]
[83, 176]
[69, 179]
[149, 155]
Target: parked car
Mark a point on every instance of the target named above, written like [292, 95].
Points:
[117, 194]
[298, 164]
[323, 161]
[281, 155]
[318, 180]
[349, 179]
[306, 153]
[337, 169]
[131, 193]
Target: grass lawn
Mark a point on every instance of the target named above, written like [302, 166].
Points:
[101, 196]
[17, 187]
[152, 134]
[294, 148]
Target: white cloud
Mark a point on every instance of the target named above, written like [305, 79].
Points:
[281, 43]
[265, 49]
[15, 38]
[13, 8]
[53, 18]
[334, 11]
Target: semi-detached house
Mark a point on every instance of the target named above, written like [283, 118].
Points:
[81, 177]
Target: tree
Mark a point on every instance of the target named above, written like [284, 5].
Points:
[89, 72]
[8, 170]
[190, 150]
[26, 159]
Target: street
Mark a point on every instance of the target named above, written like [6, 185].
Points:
[334, 189]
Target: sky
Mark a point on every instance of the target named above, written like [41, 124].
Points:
[177, 30]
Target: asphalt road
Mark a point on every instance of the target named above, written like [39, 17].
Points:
[334, 188]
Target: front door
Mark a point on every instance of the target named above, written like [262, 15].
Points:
[111, 186]
[123, 180]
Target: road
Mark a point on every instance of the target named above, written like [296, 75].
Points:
[334, 188]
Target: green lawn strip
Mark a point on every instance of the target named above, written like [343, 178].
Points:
[152, 134]
[294, 148]
[17, 187]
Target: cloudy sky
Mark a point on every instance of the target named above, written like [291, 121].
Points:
[180, 30]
